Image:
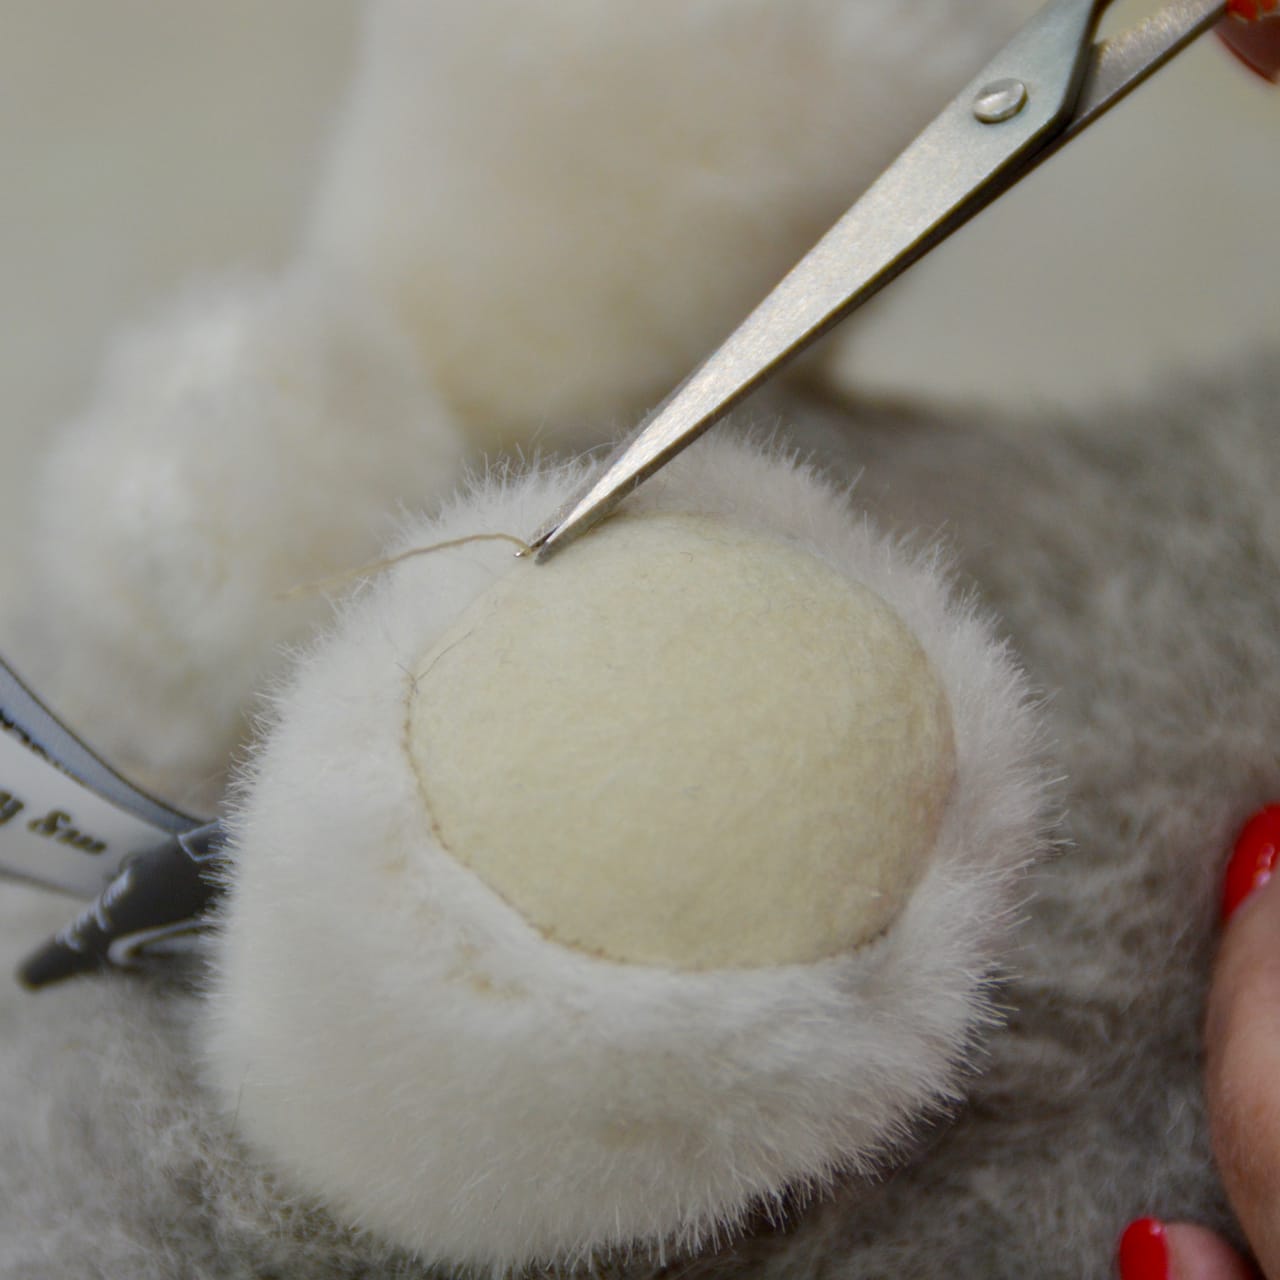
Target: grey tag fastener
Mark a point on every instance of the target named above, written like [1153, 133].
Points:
[71, 823]
[153, 909]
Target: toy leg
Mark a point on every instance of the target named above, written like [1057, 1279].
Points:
[594, 904]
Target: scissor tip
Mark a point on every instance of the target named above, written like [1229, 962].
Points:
[545, 548]
[540, 545]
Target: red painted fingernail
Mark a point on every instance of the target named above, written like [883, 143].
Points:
[1143, 1253]
[1253, 859]
[1251, 30]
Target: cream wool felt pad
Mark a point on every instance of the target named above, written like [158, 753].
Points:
[684, 744]
[400, 1041]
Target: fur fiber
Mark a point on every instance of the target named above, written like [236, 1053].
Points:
[497, 1098]
[1134, 561]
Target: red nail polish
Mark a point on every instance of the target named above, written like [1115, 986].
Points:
[1250, 10]
[1144, 1251]
[1253, 859]
[1251, 30]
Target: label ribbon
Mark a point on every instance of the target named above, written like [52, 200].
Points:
[69, 822]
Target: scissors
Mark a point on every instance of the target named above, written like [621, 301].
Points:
[1041, 90]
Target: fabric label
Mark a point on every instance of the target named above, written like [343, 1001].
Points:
[67, 821]
[55, 831]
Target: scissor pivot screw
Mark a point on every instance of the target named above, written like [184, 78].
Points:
[1000, 100]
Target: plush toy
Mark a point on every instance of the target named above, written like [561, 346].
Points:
[671, 907]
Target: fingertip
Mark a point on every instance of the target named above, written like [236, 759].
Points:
[1242, 1037]
[1196, 1253]
[1153, 1250]
[1143, 1251]
[1253, 860]
[1251, 31]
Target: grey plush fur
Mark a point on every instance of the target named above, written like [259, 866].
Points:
[1135, 559]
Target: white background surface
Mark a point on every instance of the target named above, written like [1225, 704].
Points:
[1148, 246]
[143, 142]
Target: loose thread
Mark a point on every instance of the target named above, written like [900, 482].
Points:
[380, 566]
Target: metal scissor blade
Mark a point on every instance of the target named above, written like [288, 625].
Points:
[941, 180]
[1115, 69]
[1121, 64]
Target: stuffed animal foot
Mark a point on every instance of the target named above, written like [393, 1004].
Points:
[594, 904]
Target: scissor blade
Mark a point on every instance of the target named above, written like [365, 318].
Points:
[1121, 64]
[938, 182]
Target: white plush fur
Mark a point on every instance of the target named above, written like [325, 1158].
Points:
[568, 205]
[406, 1047]
[255, 436]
